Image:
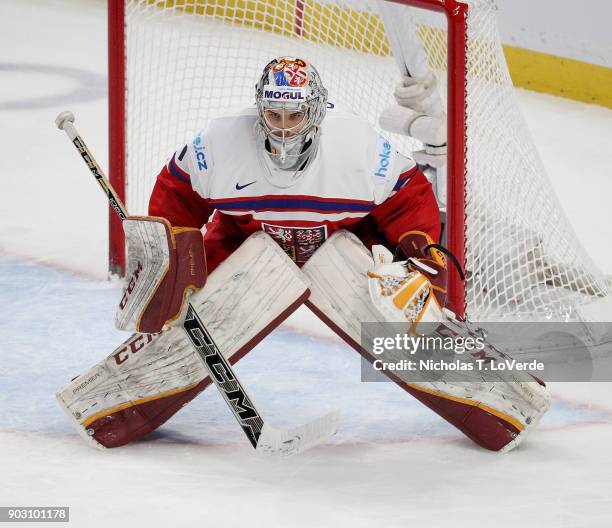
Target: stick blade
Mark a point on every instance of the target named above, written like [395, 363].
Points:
[289, 442]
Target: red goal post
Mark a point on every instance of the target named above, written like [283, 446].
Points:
[116, 131]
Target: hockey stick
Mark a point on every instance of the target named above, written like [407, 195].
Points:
[406, 47]
[412, 61]
[262, 436]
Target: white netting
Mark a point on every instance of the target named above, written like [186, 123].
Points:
[521, 250]
[190, 60]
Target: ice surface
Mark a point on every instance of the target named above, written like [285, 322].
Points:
[393, 462]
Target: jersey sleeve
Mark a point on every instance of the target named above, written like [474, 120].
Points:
[174, 197]
[411, 206]
[403, 197]
[389, 169]
[198, 161]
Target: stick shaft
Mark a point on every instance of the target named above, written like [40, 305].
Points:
[406, 46]
[218, 367]
[95, 169]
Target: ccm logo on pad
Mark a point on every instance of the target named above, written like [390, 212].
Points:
[132, 346]
[130, 286]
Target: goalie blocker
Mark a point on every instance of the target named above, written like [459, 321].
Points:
[164, 264]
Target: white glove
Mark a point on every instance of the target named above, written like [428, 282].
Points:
[419, 114]
[419, 94]
[430, 130]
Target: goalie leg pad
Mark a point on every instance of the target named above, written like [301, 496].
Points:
[150, 377]
[496, 416]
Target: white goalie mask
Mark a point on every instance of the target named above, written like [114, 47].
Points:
[291, 102]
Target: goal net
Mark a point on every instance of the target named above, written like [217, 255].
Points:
[183, 62]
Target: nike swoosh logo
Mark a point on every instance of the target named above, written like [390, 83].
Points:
[240, 187]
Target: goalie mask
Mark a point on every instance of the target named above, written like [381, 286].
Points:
[291, 102]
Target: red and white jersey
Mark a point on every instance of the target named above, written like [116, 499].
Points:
[356, 173]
